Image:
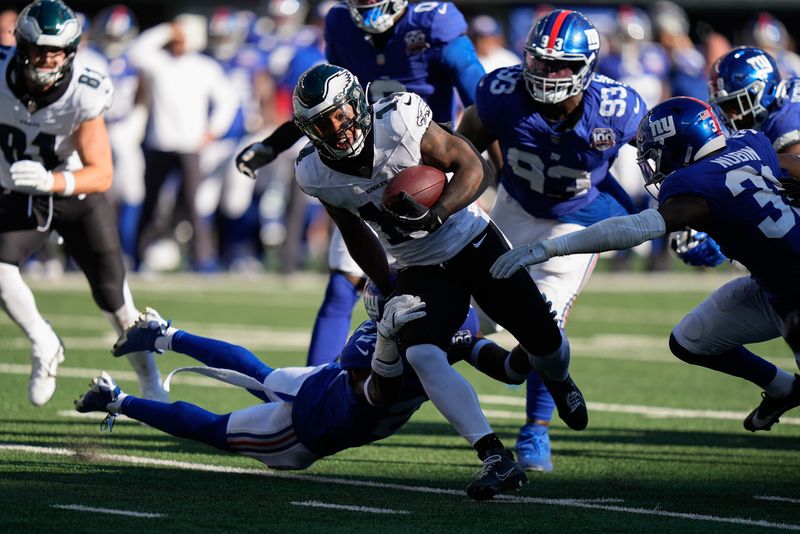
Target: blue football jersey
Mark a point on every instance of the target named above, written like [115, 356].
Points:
[753, 222]
[327, 415]
[644, 68]
[553, 171]
[413, 58]
[125, 79]
[241, 69]
[782, 127]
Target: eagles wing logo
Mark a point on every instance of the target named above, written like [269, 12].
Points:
[415, 42]
[603, 138]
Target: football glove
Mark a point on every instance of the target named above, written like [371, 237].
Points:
[31, 177]
[519, 258]
[790, 188]
[696, 248]
[414, 217]
[252, 158]
[398, 312]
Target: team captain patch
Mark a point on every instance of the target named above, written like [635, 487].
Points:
[603, 138]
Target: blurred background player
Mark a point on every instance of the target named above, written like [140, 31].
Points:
[490, 43]
[688, 69]
[8, 21]
[747, 89]
[422, 48]
[765, 31]
[559, 127]
[112, 31]
[191, 103]
[53, 178]
[728, 188]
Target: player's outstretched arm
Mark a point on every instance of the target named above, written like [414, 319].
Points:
[616, 233]
[255, 156]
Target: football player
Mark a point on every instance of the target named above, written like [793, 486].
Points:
[307, 412]
[728, 188]
[55, 167]
[444, 251]
[747, 91]
[421, 48]
[559, 127]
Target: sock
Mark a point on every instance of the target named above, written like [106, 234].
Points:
[555, 365]
[539, 404]
[452, 395]
[332, 325]
[116, 406]
[738, 362]
[487, 444]
[215, 353]
[164, 341]
[781, 385]
[17, 299]
[495, 361]
[180, 419]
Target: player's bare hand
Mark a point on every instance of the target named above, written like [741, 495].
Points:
[398, 312]
[252, 158]
[519, 258]
[31, 177]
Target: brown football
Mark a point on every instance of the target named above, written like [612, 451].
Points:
[423, 183]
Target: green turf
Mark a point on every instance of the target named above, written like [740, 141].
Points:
[634, 465]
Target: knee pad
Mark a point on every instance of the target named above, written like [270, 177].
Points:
[690, 334]
[686, 355]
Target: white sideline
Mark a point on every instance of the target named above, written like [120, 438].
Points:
[569, 503]
[348, 507]
[81, 508]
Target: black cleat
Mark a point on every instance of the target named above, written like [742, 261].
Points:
[569, 401]
[500, 473]
[771, 408]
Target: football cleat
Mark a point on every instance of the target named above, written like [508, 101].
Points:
[771, 408]
[142, 334]
[42, 383]
[500, 473]
[533, 448]
[569, 402]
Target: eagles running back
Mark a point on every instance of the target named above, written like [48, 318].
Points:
[393, 152]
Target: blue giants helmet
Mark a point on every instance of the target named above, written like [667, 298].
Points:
[113, 29]
[674, 134]
[560, 56]
[744, 84]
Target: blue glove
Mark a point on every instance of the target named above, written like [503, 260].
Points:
[696, 248]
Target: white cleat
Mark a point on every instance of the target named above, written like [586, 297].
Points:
[42, 384]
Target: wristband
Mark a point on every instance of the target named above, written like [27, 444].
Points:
[69, 183]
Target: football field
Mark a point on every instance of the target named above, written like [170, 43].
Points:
[665, 450]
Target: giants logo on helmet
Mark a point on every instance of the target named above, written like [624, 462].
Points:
[662, 128]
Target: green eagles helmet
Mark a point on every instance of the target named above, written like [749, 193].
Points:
[47, 23]
[321, 92]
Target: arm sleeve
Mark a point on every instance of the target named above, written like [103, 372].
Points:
[283, 137]
[461, 62]
[616, 233]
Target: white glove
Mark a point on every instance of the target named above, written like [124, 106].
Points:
[252, 158]
[398, 312]
[519, 258]
[31, 177]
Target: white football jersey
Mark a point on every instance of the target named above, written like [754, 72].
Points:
[399, 122]
[47, 135]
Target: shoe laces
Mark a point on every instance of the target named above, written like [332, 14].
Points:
[108, 422]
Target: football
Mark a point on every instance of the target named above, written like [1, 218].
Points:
[423, 183]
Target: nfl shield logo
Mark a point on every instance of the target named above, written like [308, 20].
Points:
[603, 138]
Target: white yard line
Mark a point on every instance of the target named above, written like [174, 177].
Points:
[569, 503]
[349, 508]
[778, 499]
[81, 508]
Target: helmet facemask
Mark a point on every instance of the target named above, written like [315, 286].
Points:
[742, 109]
[553, 80]
[376, 16]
